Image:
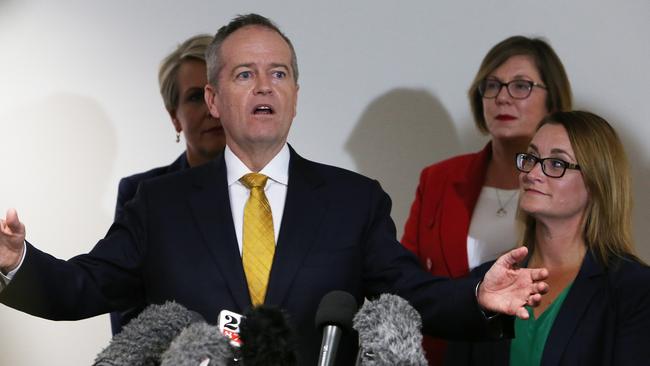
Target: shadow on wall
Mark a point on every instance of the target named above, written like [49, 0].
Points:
[58, 153]
[5, 3]
[640, 169]
[399, 134]
[65, 147]
[7, 8]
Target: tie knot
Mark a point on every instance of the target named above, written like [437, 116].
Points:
[254, 180]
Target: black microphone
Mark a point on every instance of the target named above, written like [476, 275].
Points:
[200, 344]
[144, 339]
[266, 338]
[389, 333]
[333, 317]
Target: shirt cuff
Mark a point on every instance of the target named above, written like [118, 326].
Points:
[488, 315]
[5, 279]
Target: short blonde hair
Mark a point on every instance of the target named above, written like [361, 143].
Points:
[607, 228]
[192, 49]
[547, 62]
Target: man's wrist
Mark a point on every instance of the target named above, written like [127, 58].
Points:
[488, 314]
[8, 273]
[6, 270]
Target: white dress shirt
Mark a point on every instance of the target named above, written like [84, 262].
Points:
[4, 279]
[275, 190]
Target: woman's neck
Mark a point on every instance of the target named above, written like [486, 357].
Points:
[501, 171]
[560, 248]
[559, 245]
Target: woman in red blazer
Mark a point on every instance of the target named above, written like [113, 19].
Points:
[464, 208]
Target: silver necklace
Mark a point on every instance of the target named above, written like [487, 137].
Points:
[502, 206]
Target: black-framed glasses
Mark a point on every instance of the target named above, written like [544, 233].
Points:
[551, 167]
[518, 89]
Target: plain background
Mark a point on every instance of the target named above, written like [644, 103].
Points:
[383, 93]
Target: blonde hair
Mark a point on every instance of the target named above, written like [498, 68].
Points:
[607, 228]
[548, 65]
[192, 49]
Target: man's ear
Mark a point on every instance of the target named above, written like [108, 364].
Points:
[210, 94]
[295, 101]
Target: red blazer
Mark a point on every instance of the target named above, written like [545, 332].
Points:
[437, 226]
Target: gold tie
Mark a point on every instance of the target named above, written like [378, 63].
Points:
[258, 238]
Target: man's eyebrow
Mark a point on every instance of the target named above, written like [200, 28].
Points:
[274, 64]
[249, 64]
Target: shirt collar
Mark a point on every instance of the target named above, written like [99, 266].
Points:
[277, 169]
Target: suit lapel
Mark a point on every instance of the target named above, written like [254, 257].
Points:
[303, 213]
[210, 205]
[575, 305]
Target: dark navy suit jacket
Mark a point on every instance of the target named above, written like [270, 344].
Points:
[126, 190]
[176, 241]
[604, 320]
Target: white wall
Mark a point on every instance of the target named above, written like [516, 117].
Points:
[382, 92]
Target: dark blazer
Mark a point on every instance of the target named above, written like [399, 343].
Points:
[176, 241]
[438, 223]
[604, 320]
[129, 185]
[125, 192]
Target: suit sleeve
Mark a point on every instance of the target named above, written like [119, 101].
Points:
[449, 308]
[87, 285]
[125, 192]
[633, 332]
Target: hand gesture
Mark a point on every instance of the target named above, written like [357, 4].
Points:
[12, 237]
[506, 288]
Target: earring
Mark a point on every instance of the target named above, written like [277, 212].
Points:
[178, 137]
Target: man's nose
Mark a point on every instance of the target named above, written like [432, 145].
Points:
[263, 85]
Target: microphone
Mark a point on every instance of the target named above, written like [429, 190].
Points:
[200, 344]
[229, 323]
[144, 339]
[389, 333]
[266, 338]
[333, 317]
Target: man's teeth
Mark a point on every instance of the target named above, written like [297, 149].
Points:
[263, 109]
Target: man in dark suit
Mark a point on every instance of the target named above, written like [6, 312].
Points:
[183, 237]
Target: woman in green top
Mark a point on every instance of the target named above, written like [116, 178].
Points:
[575, 204]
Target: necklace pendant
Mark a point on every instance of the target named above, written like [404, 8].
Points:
[501, 212]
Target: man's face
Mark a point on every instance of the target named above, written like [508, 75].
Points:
[257, 92]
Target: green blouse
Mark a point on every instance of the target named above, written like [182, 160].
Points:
[530, 335]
